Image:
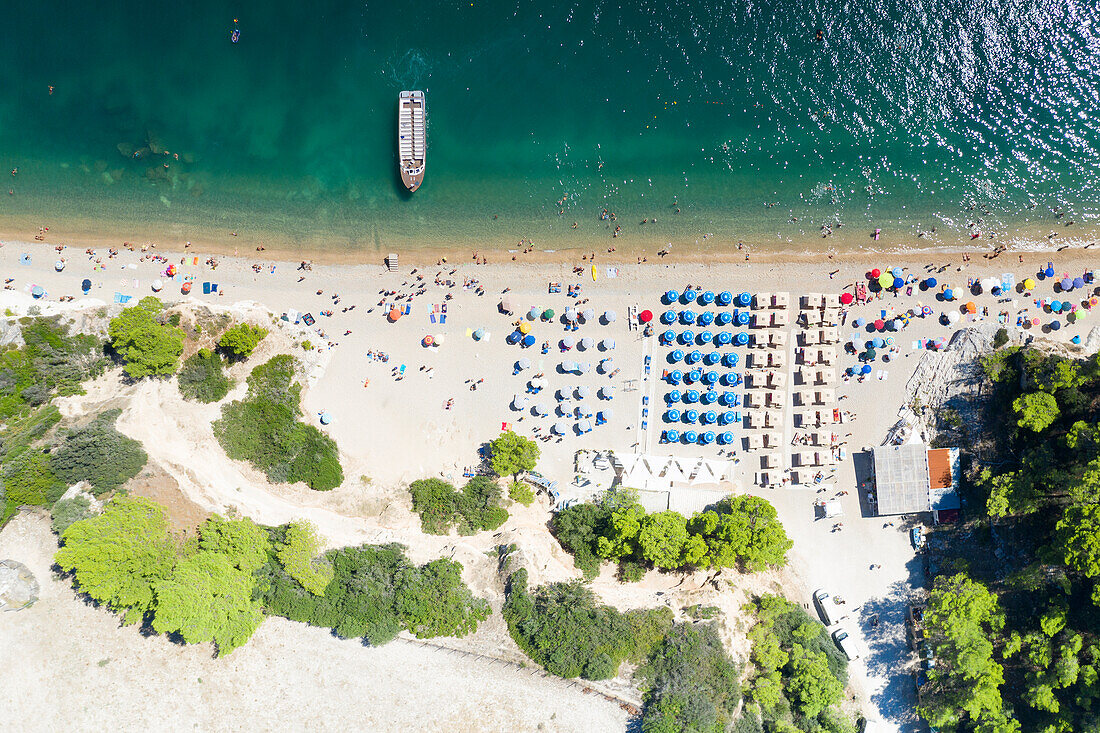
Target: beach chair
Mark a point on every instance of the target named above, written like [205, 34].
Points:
[408, 309]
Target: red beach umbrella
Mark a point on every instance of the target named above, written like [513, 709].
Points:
[847, 298]
[645, 316]
[880, 324]
[394, 315]
[875, 273]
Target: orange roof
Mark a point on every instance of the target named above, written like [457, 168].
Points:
[939, 468]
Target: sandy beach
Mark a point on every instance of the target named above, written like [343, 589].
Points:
[393, 430]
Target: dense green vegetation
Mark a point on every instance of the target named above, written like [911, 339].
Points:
[98, 454]
[374, 593]
[1014, 623]
[241, 340]
[799, 674]
[512, 454]
[563, 627]
[147, 344]
[474, 509]
[202, 377]
[67, 511]
[691, 683]
[264, 430]
[740, 531]
[521, 493]
[297, 554]
[51, 362]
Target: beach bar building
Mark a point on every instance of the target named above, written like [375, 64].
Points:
[913, 478]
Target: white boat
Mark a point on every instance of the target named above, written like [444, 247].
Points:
[412, 137]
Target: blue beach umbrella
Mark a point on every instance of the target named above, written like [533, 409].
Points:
[691, 416]
[668, 336]
[712, 358]
[725, 438]
[710, 377]
[687, 337]
[1055, 325]
[898, 283]
[672, 396]
[707, 298]
[725, 298]
[1049, 272]
[672, 415]
[877, 342]
[724, 318]
[729, 360]
[676, 355]
[1078, 282]
[691, 396]
[514, 337]
[710, 417]
[741, 338]
[695, 375]
[896, 272]
[1067, 284]
[744, 299]
[705, 319]
[675, 377]
[865, 369]
[859, 322]
[529, 340]
[694, 357]
[688, 296]
[949, 294]
[726, 417]
[709, 397]
[706, 337]
[742, 318]
[687, 317]
[930, 282]
[86, 285]
[1056, 306]
[725, 337]
[691, 436]
[672, 436]
[668, 317]
[706, 438]
[671, 297]
[726, 399]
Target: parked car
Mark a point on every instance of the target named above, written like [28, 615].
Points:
[846, 643]
[826, 607]
[916, 536]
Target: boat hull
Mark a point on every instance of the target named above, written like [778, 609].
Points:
[412, 138]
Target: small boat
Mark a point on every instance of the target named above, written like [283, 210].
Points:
[235, 35]
[412, 139]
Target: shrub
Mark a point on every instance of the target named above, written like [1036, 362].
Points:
[296, 554]
[241, 340]
[148, 348]
[29, 479]
[66, 512]
[1000, 338]
[521, 493]
[203, 378]
[100, 455]
[474, 509]
[263, 429]
[50, 362]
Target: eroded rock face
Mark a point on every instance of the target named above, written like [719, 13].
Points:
[18, 587]
[1092, 341]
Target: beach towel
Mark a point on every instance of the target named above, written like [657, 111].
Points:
[213, 287]
[195, 261]
[432, 316]
[443, 318]
[206, 288]
[118, 297]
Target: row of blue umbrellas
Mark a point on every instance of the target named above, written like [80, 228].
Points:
[708, 397]
[730, 379]
[1072, 283]
[706, 297]
[711, 358]
[688, 337]
[706, 318]
[707, 418]
[690, 436]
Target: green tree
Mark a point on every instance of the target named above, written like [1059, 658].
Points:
[621, 533]
[811, 684]
[118, 556]
[578, 528]
[432, 601]
[745, 530]
[245, 544]
[148, 347]
[296, 554]
[435, 500]
[203, 378]
[513, 454]
[521, 493]
[207, 598]
[1037, 410]
[99, 454]
[661, 539]
[1078, 534]
[68, 511]
[241, 340]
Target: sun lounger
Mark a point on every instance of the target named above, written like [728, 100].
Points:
[432, 317]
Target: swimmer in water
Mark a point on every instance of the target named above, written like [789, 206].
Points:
[820, 35]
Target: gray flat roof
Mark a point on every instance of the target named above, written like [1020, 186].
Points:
[901, 478]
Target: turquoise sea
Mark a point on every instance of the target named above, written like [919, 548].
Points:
[900, 114]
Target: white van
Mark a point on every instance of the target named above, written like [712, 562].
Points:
[826, 607]
[846, 643]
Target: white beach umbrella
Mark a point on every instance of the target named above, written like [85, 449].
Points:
[560, 427]
[610, 316]
[569, 366]
[584, 426]
[582, 392]
[587, 343]
[608, 343]
[524, 363]
[584, 367]
[607, 392]
[157, 286]
[606, 414]
[990, 282]
[519, 401]
[567, 342]
[570, 314]
[437, 339]
[952, 316]
[540, 409]
[588, 314]
[537, 383]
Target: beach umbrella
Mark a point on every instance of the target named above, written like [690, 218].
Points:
[726, 417]
[519, 401]
[605, 414]
[533, 313]
[695, 375]
[581, 392]
[726, 398]
[569, 366]
[675, 376]
[671, 297]
[1067, 284]
[37, 291]
[560, 427]
[847, 298]
[673, 396]
[691, 396]
[877, 342]
[856, 342]
[865, 369]
[645, 316]
[725, 438]
[607, 392]
[707, 298]
[948, 294]
[885, 280]
[741, 338]
[744, 299]
[879, 324]
[668, 316]
[859, 322]
[677, 355]
[729, 360]
[608, 344]
[428, 340]
[672, 436]
[691, 416]
[691, 436]
[1076, 340]
[870, 354]
[725, 298]
[1078, 282]
[438, 338]
[705, 337]
[896, 272]
[687, 337]
[588, 314]
[687, 317]
[584, 426]
[742, 318]
[725, 337]
[711, 377]
[673, 415]
[893, 324]
[705, 319]
[724, 318]
[668, 336]
[540, 410]
[506, 304]
[707, 437]
[86, 285]
[875, 273]
[523, 363]
[709, 397]
[1056, 306]
[952, 316]
[1035, 321]
[394, 314]
[570, 314]
[971, 307]
[548, 314]
[712, 358]
[525, 328]
[990, 282]
[567, 342]
[529, 340]
[898, 283]
[1049, 272]
[1094, 301]
[1029, 284]
[610, 316]
[731, 379]
[587, 342]
[996, 290]
[59, 265]
[584, 367]
[694, 357]
[688, 296]
[537, 383]
[930, 282]
[1055, 325]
